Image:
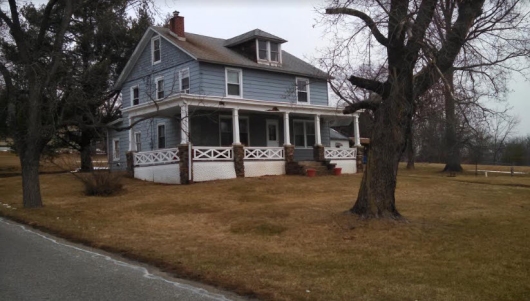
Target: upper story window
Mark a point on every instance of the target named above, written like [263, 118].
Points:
[302, 90]
[234, 85]
[159, 81]
[185, 81]
[135, 95]
[155, 50]
[268, 52]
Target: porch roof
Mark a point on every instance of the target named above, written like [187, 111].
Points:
[175, 101]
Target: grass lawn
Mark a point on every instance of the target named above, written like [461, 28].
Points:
[287, 238]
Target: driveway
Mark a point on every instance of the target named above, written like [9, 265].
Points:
[37, 266]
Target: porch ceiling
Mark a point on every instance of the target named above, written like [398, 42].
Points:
[172, 106]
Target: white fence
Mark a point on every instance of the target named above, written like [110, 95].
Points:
[213, 153]
[264, 153]
[163, 156]
[340, 153]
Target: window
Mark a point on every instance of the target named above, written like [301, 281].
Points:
[268, 52]
[155, 50]
[185, 81]
[116, 149]
[159, 87]
[227, 133]
[302, 90]
[233, 82]
[135, 95]
[304, 133]
[274, 52]
[138, 141]
[263, 53]
[161, 136]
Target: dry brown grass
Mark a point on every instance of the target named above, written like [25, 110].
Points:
[286, 238]
[10, 163]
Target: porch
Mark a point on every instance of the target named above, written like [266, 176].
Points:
[187, 164]
[212, 139]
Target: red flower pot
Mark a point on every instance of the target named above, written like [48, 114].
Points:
[311, 172]
[337, 171]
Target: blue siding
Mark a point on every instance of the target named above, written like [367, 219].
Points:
[121, 163]
[145, 73]
[149, 132]
[261, 85]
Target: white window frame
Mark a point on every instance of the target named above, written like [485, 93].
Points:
[158, 125]
[180, 80]
[114, 157]
[153, 50]
[268, 60]
[157, 79]
[136, 141]
[304, 121]
[230, 118]
[307, 89]
[132, 95]
[240, 71]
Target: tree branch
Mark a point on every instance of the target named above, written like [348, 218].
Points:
[364, 17]
[369, 84]
[371, 104]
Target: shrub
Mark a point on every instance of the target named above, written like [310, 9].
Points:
[101, 183]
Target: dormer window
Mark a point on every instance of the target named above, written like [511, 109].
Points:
[268, 52]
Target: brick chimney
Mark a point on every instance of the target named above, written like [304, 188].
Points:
[176, 25]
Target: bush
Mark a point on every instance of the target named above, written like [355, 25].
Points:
[101, 183]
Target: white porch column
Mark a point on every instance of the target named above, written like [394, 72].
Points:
[235, 125]
[286, 134]
[131, 136]
[317, 130]
[356, 130]
[184, 124]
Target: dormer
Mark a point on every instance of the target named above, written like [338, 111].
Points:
[259, 46]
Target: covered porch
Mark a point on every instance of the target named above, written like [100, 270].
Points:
[211, 139]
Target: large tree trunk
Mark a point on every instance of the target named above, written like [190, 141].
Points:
[29, 161]
[30, 145]
[85, 150]
[411, 155]
[452, 151]
[376, 198]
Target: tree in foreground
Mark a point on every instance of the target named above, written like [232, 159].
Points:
[414, 65]
[36, 63]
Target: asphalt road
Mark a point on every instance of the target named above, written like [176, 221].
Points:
[37, 266]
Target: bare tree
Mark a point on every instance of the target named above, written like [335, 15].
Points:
[413, 65]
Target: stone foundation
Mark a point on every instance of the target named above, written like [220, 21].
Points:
[318, 153]
[184, 164]
[130, 163]
[239, 157]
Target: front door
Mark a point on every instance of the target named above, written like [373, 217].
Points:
[273, 139]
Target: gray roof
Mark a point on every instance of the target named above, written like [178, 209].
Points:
[213, 50]
[253, 34]
[334, 135]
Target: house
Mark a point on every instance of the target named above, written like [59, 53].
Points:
[338, 140]
[204, 108]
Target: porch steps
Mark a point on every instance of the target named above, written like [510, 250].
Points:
[322, 168]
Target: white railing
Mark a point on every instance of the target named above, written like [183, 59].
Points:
[162, 156]
[340, 153]
[264, 153]
[212, 153]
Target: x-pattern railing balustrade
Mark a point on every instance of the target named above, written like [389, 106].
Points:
[212, 153]
[162, 156]
[340, 153]
[264, 153]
